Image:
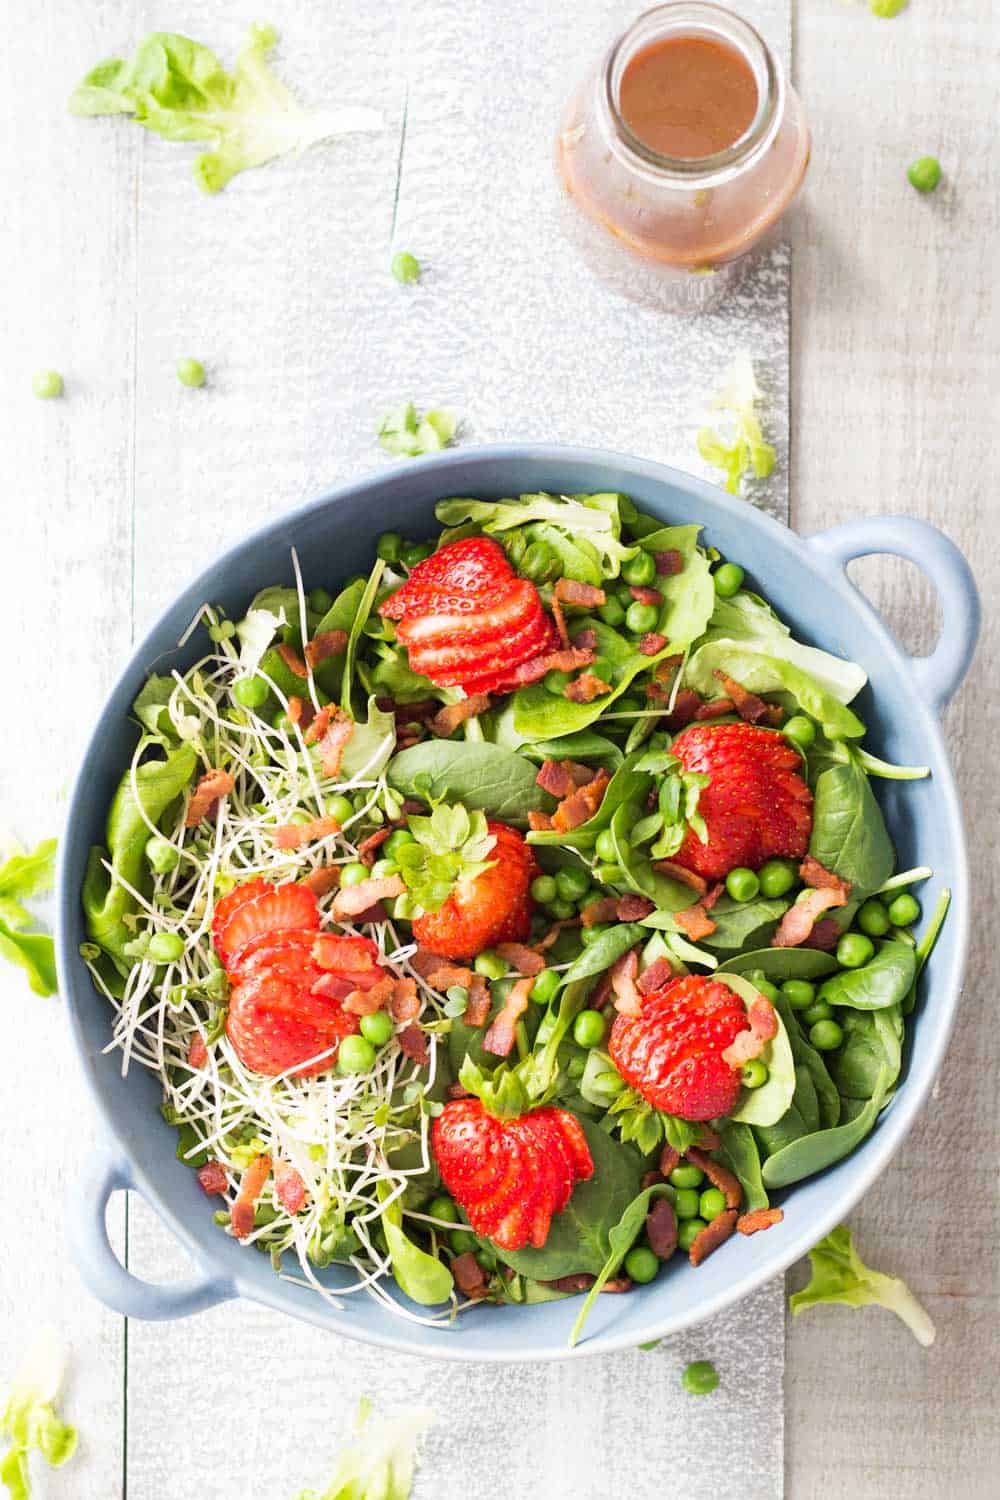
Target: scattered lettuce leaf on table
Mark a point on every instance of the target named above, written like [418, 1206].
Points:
[742, 450]
[179, 89]
[381, 1461]
[404, 433]
[840, 1275]
[29, 1420]
[24, 875]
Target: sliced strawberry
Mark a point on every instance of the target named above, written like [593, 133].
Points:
[672, 1052]
[275, 908]
[467, 567]
[346, 955]
[260, 951]
[229, 905]
[276, 1026]
[492, 653]
[508, 609]
[572, 1133]
[548, 1169]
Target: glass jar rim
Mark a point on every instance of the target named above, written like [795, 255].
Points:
[697, 17]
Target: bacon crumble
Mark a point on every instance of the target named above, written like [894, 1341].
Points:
[758, 1219]
[712, 1236]
[213, 785]
[328, 643]
[447, 719]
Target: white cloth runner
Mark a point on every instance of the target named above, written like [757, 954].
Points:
[282, 286]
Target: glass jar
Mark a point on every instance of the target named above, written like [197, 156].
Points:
[676, 231]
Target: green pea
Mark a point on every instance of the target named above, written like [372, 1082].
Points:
[589, 1028]
[389, 546]
[572, 883]
[826, 1035]
[383, 868]
[873, 919]
[686, 1203]
[190, 372]
[165, 947]
[711, 1204]
[462, 1241]
[904, 910]
[340, 807]
[356, 1055]
[925, 174]
[377, 1028]
[606, 847]
[415, 552]
[641, 1264]
[766, 988]
[640, 570]
[854, 949]
[728, 580]
[628, 705]
[742, 884]
[590, 935]
[539, 562]
[561, 910]
[397, 840]
[800, 730]
[612, 612]
[282, 723]
[555, 683]
[641, 617]
[354, 873]
[490, 964]
[777, 877]
[818, 1011]
[320, 602]
[544, 890]
[442, 1207]
[162, 855]
[251, 692]
[755, 1074]
[405, 267]
[623, 595]
[46, 384]
[610, 874]
[686, 1176]
[799, 993]
[700, 1377]
[545, 986]
[688, 1231]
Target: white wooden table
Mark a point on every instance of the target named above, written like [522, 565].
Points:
[116, 495]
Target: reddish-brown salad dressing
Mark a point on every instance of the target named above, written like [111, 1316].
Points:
[688, 96]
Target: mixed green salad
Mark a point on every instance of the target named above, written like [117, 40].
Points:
[508, 921]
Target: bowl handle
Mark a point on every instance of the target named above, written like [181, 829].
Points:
[937, 676]
[102, 1272]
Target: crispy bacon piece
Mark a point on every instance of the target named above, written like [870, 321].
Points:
[296, 709]
[213, 785]
[571, 591]
[669, 1159]
[197, 1052]
[294, 835]
[668, 563]
[824, 937]
[562, 777]
[799, 920]
[447, 974]
[628, 1001]
[540, 822]
[500, 1037]
[324, 880]
[751, 709]
[581, 804]
[678, 872]
[251, 1186]
[478, 1009]
[289, 1189]
[553, 661]
[585, 640]
[712, 895]
[447, 719]
[717, 709]
[751, 1043]
[470, 1278]
[709, 1139]
[368, 846]
[525, 960]
[319, 724]
[719, 1176]
[365, 1002]
[654, 978]
[292, 660]
[684, 711]
[551, 936]
[212, 1177]
[587, 687]
[604, 909]
[643, 595]
[712, 1236]
[576, 1281]
[352, 900]
[632, 907]
[577, 655]
[820, 879]
[413, 1043]
[404, 1002]
[328, 643]
[424, 962]
[652, 643]
[695, 922]
[602, 993]
[661, 1229]
[760, 1218]
[331, 746]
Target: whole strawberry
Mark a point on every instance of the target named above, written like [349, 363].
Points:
[467, 620]
[474, 883]
[511, 1176]
[756, 805]
[671, 1052]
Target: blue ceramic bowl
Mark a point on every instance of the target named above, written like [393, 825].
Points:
[805, 580]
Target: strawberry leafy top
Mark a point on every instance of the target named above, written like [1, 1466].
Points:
[451, 846]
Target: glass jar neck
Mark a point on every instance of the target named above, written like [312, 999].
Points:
[699, 19]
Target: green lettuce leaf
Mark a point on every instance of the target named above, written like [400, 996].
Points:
[760, 672]
[742, 449]
[21, 876]
[381, 1461]
[747, 618]
[29, 1420]
[404, 433]
[840, 1275]
[33, 952]
[579, 518]
[179, 89]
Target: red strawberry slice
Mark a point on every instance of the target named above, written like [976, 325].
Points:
[467, 567]
[490, 656]
[507, 609]
[272, 908]
[263, 951]
[276, 1026]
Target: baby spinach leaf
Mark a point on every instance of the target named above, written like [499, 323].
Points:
[791, 1127]
[766, 1105]
[761, 673]
[849, 834]
[840, 1275]
[739, 923]
[483, 777]
[805, 1055]
[607, 950]
[779, 964]
[579, 1239]
[806, 1098]
[688, 596]
[625, 786]
[586, 745]
[812, 1153]
[872, 1042]
[621, 1238]
[540, 715]
[422, 1277]
[641, 874]
[883, 981]
[737, 1150]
